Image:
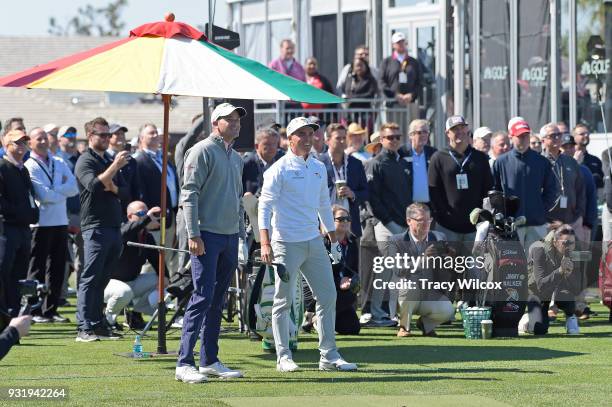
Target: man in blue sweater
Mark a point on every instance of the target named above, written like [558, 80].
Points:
[528, 175]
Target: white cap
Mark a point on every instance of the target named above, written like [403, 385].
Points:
[397, 37]
[51, 127]
[482, 132]
[298, 123]
[225, 109]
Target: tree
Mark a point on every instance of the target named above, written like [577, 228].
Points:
[92, 21]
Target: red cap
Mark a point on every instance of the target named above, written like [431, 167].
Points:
[518, 126]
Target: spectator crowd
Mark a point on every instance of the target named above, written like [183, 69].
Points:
[71, 210]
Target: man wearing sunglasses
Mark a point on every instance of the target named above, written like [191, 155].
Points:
[390, 180]
[127, 283]
[571, 203]
[101, 188]
[19, 209]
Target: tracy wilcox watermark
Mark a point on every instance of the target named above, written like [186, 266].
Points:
[426, 284]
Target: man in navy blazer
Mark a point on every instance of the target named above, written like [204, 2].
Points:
[149, 163]
[343, 167]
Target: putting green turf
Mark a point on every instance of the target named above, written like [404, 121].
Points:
[555, 370]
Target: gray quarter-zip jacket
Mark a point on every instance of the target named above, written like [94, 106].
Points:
[211, 195]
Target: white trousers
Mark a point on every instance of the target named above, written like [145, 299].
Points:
[311, 259]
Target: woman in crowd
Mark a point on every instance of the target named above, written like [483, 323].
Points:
[552, 274]
[345, 278]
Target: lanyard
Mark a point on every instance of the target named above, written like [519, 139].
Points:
[559, 176]
[339, 174]
[43, 167]
[464, 161]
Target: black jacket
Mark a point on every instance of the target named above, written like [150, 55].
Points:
[607, 179]
[390, 184]
[356, 181]
[252, 172]
[595, 165]
[389, 77]
[17, 195]
[133, 258]
[99, 208]
[365, 88]
[8, 338]
[451, 207]
[130, 176]
[150, 185]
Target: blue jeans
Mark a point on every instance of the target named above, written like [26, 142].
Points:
[102, 249]
[212, 273]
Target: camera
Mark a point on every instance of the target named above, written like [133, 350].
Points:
[32, 294]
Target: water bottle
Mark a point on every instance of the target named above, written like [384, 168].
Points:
[137, 348]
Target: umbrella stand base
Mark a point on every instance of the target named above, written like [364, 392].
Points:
[130, 355]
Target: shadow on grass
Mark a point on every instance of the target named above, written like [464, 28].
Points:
[422, 354]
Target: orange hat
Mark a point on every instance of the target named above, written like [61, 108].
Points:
[15, 135]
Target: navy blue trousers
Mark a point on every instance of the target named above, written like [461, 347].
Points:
[212, 273]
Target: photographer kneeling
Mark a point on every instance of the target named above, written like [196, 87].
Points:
[16, 329]
[432, 305]
[127, 282]
[552, 272]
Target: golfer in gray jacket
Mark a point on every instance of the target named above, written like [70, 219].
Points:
[293, 199]
[211, 201]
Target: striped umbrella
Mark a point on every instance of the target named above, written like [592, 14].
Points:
[167, 58]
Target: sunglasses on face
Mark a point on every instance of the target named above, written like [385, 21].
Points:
[21, 143]
[100, 134]
[140, 214]
[343, 219]
[393, 137]
[554, 136]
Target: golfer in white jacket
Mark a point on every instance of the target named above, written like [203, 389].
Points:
[294, 198]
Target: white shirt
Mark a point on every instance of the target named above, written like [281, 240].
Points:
[293, 198]
[50, 191]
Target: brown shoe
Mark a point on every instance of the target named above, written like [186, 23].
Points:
[403, 333]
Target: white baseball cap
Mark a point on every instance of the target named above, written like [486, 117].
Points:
[225, 109]
[397, 37]
[482, 132]
[298, 123]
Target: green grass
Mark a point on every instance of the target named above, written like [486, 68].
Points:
[449, 370]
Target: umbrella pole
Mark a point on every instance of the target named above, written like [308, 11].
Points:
[161, 304]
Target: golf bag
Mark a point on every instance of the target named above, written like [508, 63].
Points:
[605, 278]
[505, 262]
[260, 302]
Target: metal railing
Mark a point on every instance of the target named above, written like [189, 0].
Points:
[369, 113]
